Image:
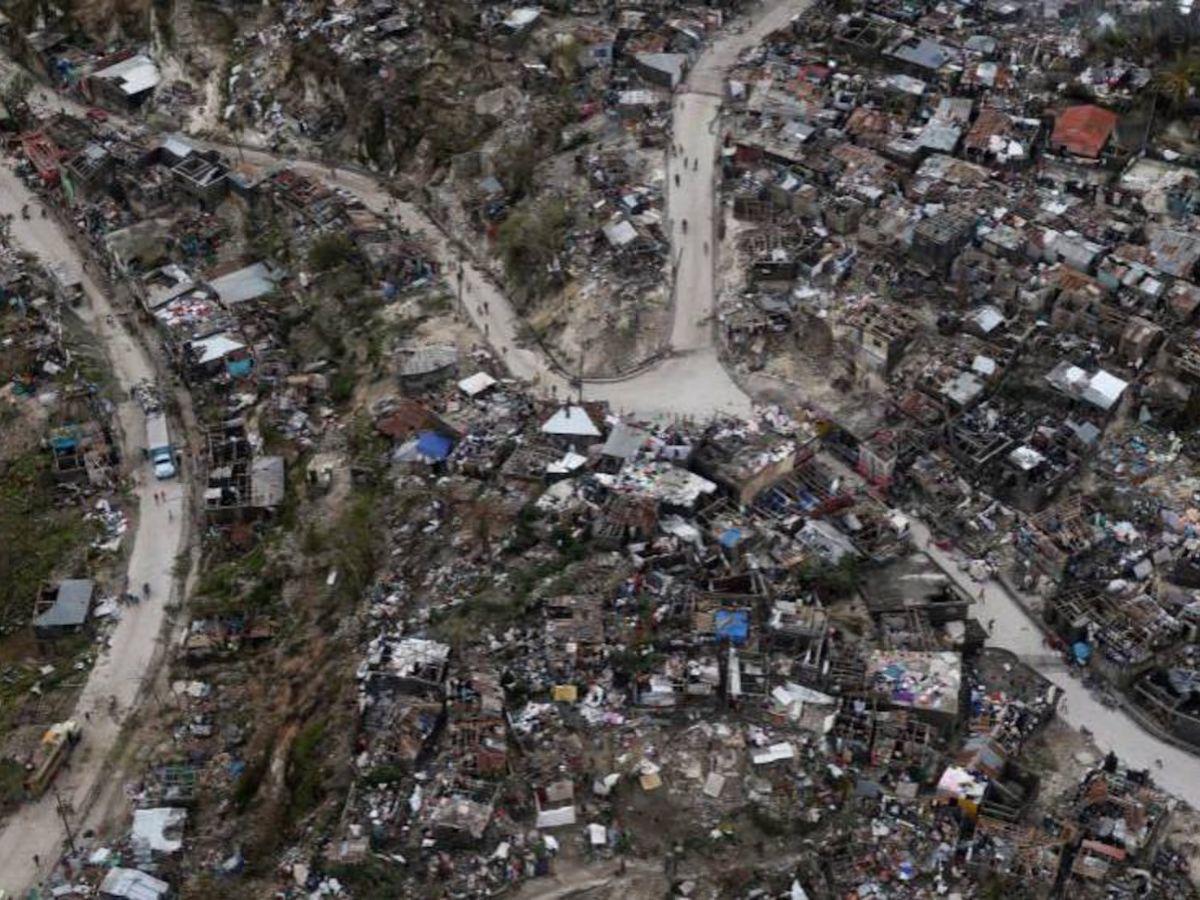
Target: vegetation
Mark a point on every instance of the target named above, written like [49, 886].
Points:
[838, 580]
[38, 540]
[330, 251]
[357, 546]
[248, 783]
[529, 242]
[305, 773]
[372, 879]
[1157, 31]
[1175, 83]
[518, 163]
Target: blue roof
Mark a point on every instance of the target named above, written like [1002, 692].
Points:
[732, 625]
[433, 445]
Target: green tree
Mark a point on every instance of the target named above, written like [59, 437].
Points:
[1175, 82]
[529, 241]
[330, 251]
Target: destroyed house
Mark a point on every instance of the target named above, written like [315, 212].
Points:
[746, 468]
[881, 334]
[82, 452]
[1171, 696]
[90, 170]
[882, 742]
[459, 812]
[1126, 630]
[916, 584]
[681, 680]
[938, 239]
[929, 684]
[403, 698]
[201, 176]
[476, 726]
[239, 485]
[1059, 537]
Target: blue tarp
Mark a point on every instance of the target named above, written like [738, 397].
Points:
[731, 537]
[732, 625]
[1082, 651]
[239, 368]
[434, 446]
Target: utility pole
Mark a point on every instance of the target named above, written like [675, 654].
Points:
[461, 307]
[579, 380]
[61, 808]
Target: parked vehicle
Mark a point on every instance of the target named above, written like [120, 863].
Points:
[56, 745]
[158, 446]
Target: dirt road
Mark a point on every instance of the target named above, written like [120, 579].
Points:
[36, 828]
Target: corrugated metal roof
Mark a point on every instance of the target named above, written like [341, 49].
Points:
[136, 74]
[71, 605]
[253, 281]
[1083, 130]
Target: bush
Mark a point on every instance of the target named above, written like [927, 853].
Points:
[330, 251]
[528, 243]
[305, 773]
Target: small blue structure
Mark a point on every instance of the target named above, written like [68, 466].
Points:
[434, 446]
[732, 625]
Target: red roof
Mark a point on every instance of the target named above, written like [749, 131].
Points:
[1083, 130]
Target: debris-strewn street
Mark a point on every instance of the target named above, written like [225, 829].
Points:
[602, 449]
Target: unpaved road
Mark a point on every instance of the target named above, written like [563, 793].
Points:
[36, 828]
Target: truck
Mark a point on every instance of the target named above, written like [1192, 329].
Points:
[158, 445]
[52, 751]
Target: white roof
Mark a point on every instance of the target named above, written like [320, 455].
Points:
[474, 385]
[569, 463]
[1026, 458]
[984, 365]
[620, 233]
[522, 17]
[988, 318]
[958, 782]
[572, 421]
[774, 753]
[177, 146]
[217, 347]
[253, 281]
[136, 74]
[150, 827]
[555, 818]
[1104, 390]
[133, 885]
